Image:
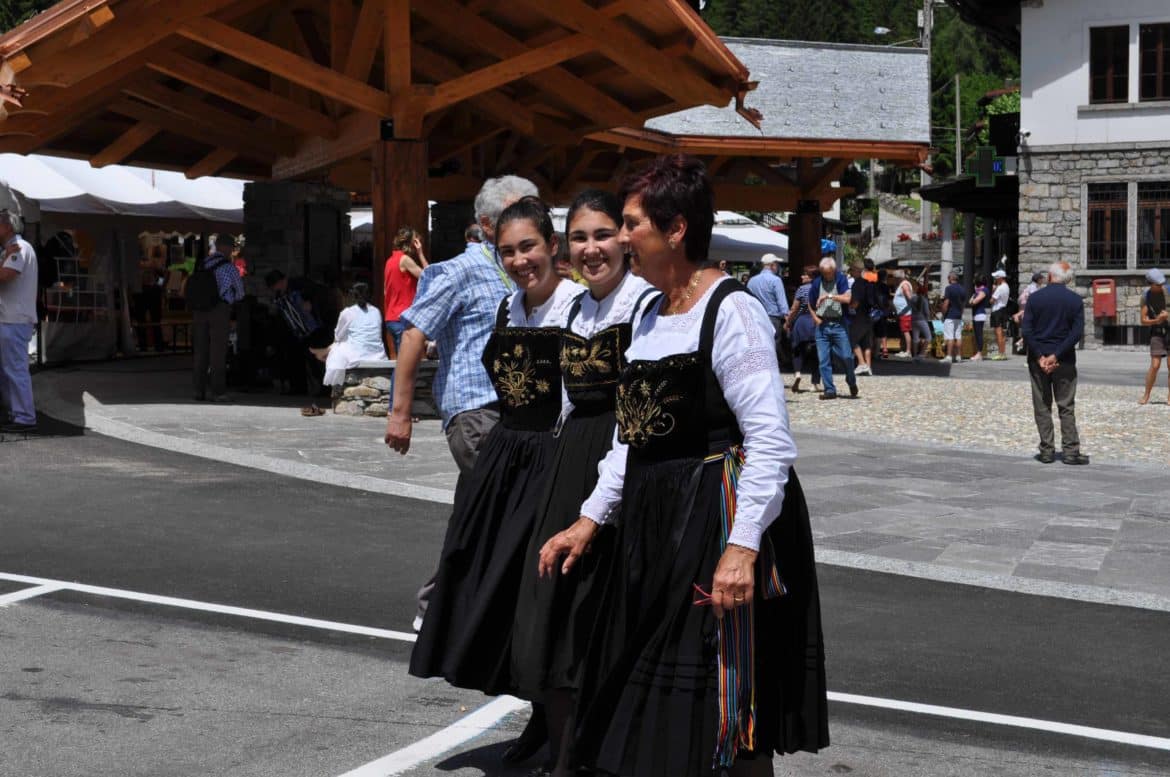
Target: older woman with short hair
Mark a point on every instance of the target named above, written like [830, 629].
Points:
[710, 656]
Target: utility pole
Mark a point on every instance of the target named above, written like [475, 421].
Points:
[927, 20]
[958, 127]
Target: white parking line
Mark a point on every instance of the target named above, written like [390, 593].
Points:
[443, 741]
[1087, 732]
[450, 734]
[221, 609]
[28, 593]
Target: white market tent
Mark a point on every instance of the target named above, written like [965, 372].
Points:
[112, 205]
[740, 240]
[66, 192]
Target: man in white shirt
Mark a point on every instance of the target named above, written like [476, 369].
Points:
[999, 313]
[18, 319]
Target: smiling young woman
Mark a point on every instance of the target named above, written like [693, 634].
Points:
[556, 616]
[466, 634]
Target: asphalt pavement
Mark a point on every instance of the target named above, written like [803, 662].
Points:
[143, 688]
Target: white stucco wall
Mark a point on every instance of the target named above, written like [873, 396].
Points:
[1055, 74]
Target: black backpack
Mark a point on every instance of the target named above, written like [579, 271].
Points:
[202, 288]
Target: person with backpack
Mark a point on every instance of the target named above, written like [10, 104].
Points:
[214, 286]
[866, 311]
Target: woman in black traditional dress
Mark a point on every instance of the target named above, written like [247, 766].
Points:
[710, 657]
[466, 637]
[555, 617]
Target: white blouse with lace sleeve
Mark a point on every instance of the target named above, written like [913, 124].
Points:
[744, 363]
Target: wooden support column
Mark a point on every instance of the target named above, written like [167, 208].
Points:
[805, 227]
[399, 199]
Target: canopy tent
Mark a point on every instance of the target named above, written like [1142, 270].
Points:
[108, 207]
[740, 240]
[65, 190]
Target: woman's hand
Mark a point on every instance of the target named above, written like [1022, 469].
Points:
[572, 543]
[735, 579]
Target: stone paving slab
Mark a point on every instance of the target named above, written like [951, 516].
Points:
[931, 500]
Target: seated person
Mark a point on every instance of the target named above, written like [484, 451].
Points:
[302, 331]
[357, 338]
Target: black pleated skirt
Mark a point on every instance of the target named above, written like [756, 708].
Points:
[649, 696]
[555, 616]
[466, 636]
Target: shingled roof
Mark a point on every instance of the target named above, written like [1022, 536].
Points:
[827, 91]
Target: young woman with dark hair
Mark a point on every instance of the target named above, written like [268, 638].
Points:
[466, 636]
[555, 617]
[710, 655]
[357, 338]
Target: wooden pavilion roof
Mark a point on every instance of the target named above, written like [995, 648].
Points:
[300, 89]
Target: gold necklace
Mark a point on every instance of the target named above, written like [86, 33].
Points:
[694, 284]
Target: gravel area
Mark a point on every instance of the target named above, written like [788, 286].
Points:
[988, 416]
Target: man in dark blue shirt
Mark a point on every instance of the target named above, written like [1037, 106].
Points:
[954, 297]
[1054, 321]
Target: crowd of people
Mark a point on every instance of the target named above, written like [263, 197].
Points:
[614, 555]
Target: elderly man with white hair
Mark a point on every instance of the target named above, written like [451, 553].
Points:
[830, 298]
[18, 319]
[1054, 321]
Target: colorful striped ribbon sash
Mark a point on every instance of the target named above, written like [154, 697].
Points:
[736, 631]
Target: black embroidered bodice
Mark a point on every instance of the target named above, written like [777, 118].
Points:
[592, 366]
[673, 408]
[524, 367]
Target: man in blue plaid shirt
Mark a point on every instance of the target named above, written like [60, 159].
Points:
[456, 306]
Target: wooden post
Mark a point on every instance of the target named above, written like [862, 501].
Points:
[399, 199]
[804, 240]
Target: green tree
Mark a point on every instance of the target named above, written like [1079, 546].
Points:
[14, 12]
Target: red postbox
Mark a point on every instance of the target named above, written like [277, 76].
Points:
[1104, 298]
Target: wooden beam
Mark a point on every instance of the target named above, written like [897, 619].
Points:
[396, 47]
[119, 40]
[438, 156]
[581, 96]
[367, 35]
[496, 106]
[342, 22]
[306, 24]
[357, 133]
[91, 23]
[130, 141]
[212, 163]
[326, 82]
[245, 93]
[205, 132]
[669, 76]
[821, 178]
[509, 70]
[196, 110]
[51, 100]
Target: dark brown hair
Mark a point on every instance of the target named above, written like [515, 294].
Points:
[676, 185]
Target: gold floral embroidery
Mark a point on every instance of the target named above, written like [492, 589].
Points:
[641, 411]
[577, 360]
[516, 378]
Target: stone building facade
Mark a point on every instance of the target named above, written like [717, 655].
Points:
[1058, 187]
